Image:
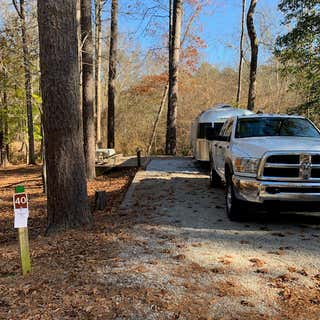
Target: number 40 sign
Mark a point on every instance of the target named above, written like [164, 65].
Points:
[21, 210]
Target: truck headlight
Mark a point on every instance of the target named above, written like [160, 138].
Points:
[246, 165]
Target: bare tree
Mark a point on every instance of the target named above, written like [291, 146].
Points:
[174, 54]
[97, 80]
[66, 182]
[88, 88]
[156, 123]
[27, 74]
[112, 73]
[4, 130]
[254, 55]
[241, 53]
[4, 146]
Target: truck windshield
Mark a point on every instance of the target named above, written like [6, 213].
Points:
[267, 126]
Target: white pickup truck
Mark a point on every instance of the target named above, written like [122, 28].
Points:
[266, 158]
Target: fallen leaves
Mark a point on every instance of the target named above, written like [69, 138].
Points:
[179, 257]
[262, 271]
[277, 253]
[247, 303]
[257, 263]
[63, 282]
[231, 288]
[126, 270]
[226, 260]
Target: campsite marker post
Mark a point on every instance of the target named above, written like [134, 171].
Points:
[21, 213]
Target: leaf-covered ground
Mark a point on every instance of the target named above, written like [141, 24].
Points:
[168, 252]
[63, 283]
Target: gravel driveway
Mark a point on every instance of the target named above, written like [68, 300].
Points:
[181, 258]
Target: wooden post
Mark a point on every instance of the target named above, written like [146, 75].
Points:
[24, 250]
[20, 202]
[100, 200]
[139, 158]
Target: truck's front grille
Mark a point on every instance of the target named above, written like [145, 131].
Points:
[293, 167]
[275, 190]
[284, 158]
[315, 159]
[315, 173]
[281, 172]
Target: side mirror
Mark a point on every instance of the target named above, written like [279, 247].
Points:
[211, 134]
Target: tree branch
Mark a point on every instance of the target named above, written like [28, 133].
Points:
[188, 27]
[17, 9]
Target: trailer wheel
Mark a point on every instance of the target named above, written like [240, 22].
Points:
[236, 209]
[215, 180]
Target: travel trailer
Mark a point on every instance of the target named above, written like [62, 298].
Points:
[212, 118]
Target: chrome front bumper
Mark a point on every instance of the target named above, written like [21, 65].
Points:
[250, 189]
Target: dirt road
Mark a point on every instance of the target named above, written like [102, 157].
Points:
[183, 259]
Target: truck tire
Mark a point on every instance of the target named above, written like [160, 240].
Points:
[236, 209]
[215, 180]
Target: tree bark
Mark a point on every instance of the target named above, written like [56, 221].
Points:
[6, 131]
[170, 27]
[4, 128]
[4, 146]
[254, 55]
[79, 49]
[241, 53]
[1, 138]
[27, 75]
[174, 54]
[88, 89]
[112, 73]
[97, 80]
[63, 133]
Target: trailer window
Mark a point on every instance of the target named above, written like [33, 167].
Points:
[202, 127]
[217, 127]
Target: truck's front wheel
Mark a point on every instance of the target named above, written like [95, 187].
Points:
[236, 209]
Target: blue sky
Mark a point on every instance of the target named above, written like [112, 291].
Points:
[219, 26]
[222, 28]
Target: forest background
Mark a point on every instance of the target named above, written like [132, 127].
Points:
[208, 70]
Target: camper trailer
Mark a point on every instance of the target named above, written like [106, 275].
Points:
[212, 118]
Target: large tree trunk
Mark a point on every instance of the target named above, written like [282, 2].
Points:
[79, 49]
[4, 146]
[87, 88]
[4, 128]
[170, 28]
[112, 73]
[254, 55]
[1, 138]
[241, 53]
[174, 54]
[66, 182]
[27, 75]
[6, 131]
[97, 80]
